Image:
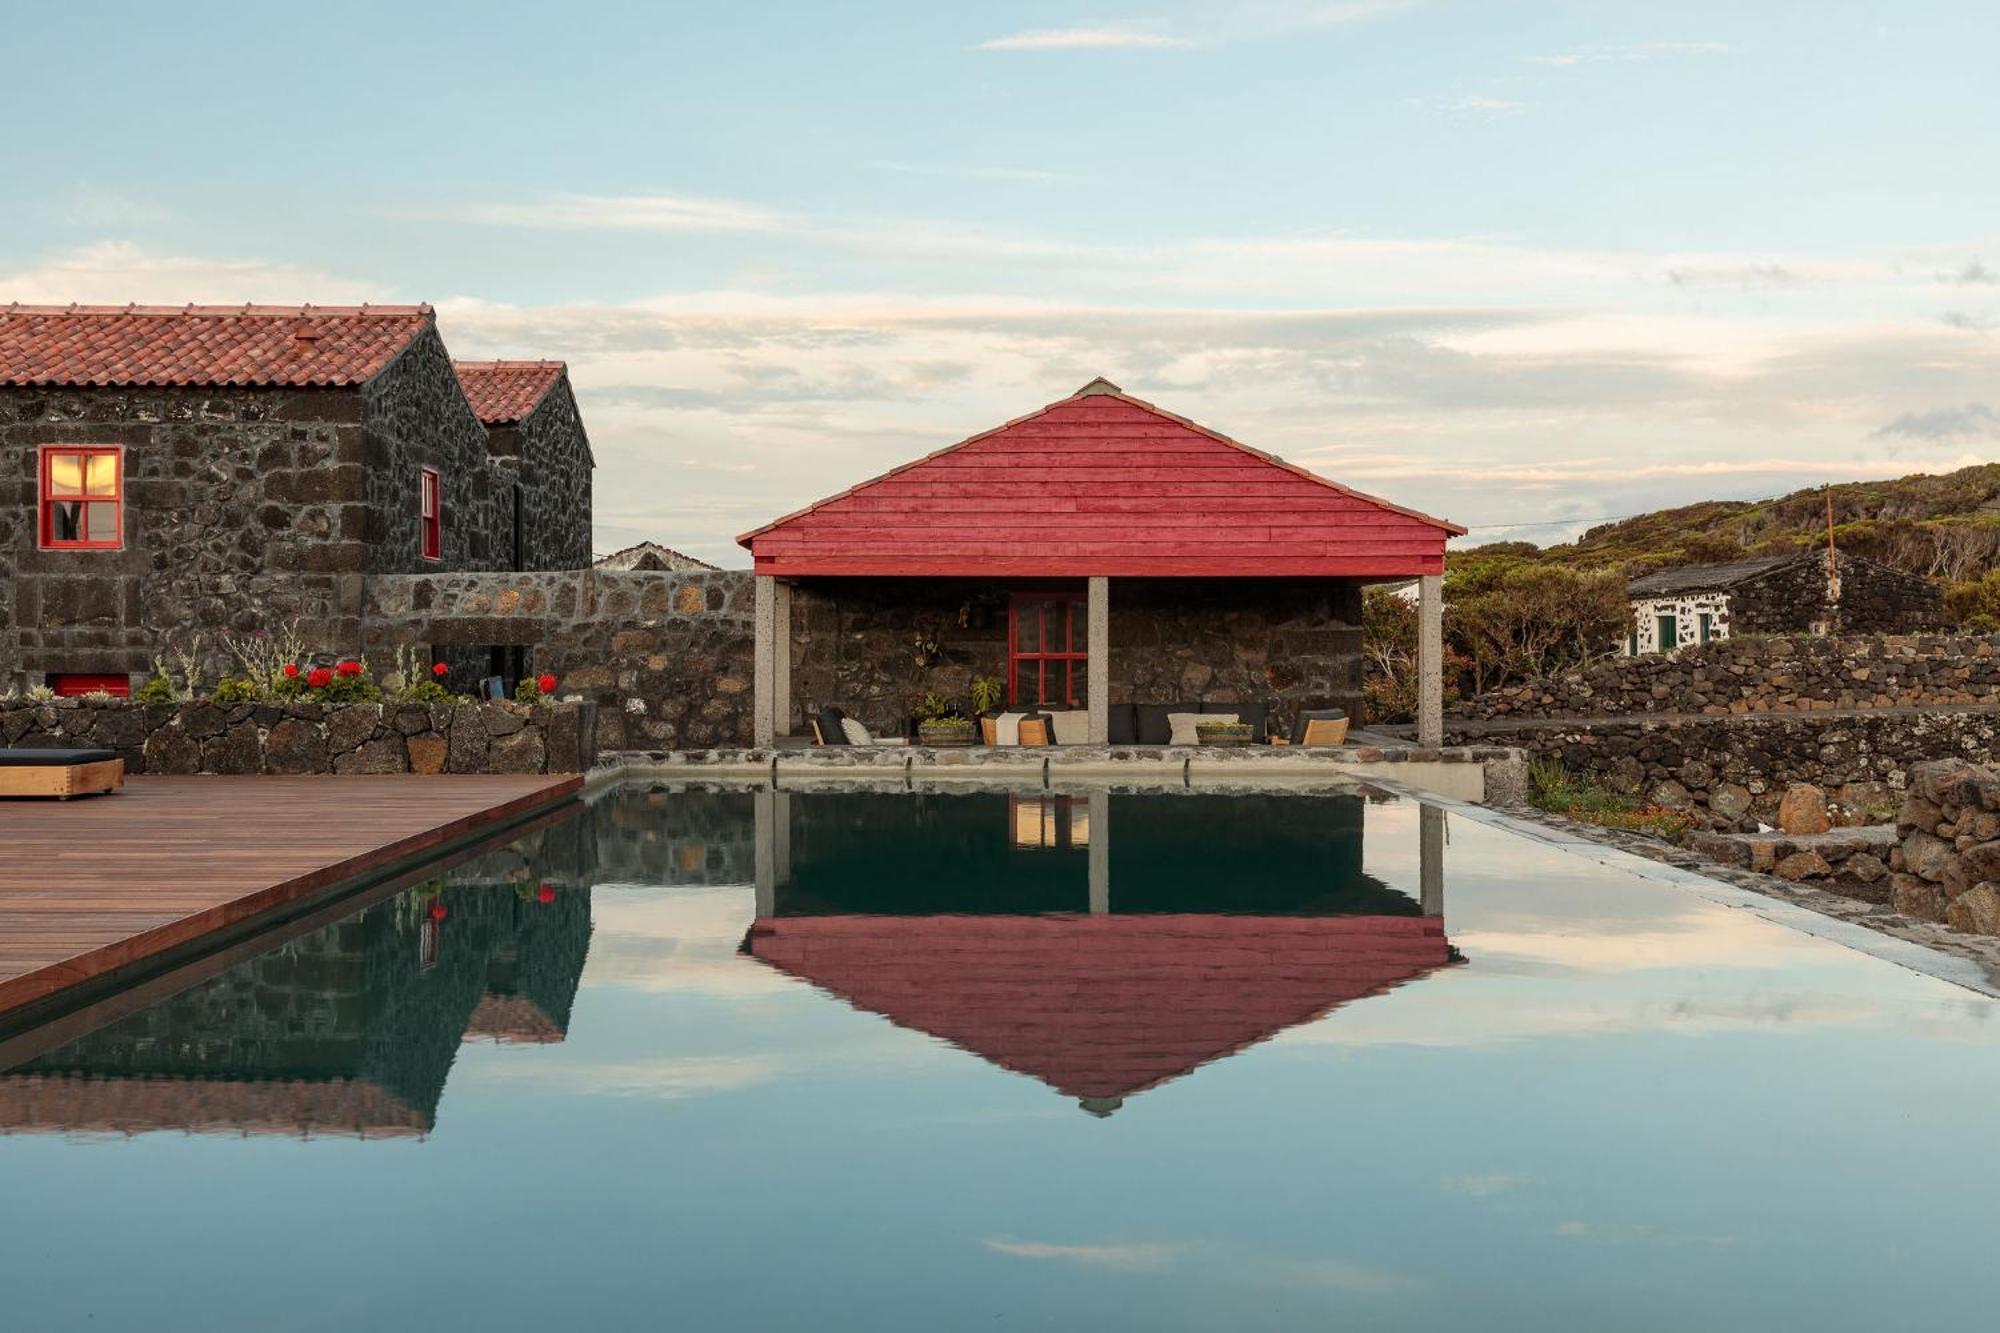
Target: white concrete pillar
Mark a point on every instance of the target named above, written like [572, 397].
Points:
[1430, 859]
[1430, 660]
[1097, 671]
[1100, 851]
[781, 659]
[764, 667]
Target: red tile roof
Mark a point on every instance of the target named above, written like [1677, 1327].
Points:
[247, 345]
[1100, 1007]
[504, 392]
[1101, 483]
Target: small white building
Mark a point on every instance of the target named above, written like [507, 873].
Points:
[1672, 608]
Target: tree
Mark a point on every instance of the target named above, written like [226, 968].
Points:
[1536, 620]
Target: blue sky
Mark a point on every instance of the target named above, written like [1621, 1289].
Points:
[1508, 262]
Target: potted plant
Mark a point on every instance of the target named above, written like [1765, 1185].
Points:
[940, 723]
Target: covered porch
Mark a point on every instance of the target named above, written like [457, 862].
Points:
[1100, 560]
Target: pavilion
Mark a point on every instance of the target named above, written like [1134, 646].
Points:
[1100, 551]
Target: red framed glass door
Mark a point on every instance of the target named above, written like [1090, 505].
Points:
[1047, 649]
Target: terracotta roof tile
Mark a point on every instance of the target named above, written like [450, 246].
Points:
[504, 392]
[246, 345]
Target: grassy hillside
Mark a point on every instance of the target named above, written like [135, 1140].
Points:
[1946, 527]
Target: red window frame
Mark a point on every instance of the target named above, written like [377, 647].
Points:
[1040, 668]
[46, 499]
[430, 512]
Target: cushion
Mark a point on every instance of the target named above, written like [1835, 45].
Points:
[53, 758]
[855, 733]
[1072, 726]
[1180, 726]
[1124, 725]
[1309, 714]
[1007, 729]
[1153, 728]
[1036, 729]
[830, 730]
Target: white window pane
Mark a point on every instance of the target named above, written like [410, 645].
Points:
[100, 522]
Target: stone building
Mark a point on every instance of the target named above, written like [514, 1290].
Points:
[1803, 593]
[653, 556]
[173, 471]
[1103, 558]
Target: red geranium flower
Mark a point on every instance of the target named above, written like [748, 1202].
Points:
[291, 671]
[319, 678]
[438, 911]
[439, 668]
[546, 894]
[350, 667]
[545, 683]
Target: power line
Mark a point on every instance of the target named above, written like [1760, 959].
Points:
[1551, 523]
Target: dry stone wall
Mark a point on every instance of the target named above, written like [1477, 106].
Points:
[306, 737]
[1948, 866]
[1798, 674]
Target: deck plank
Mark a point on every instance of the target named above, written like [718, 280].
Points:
[98, 883]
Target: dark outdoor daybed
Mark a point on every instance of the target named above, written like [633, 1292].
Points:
[62, 773]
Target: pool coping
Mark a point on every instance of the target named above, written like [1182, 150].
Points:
[1912, 955]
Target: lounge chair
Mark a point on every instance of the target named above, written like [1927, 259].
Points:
[1320, 726]
[828, 729]
[60, 773]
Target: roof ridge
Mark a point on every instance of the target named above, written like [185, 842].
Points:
[504, 364]
[248, 309]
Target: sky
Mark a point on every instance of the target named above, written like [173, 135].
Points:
[1523, 265]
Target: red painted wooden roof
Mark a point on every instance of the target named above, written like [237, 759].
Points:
[1101, 483]
[246, 345]
[1101, 1007]
[504, 392]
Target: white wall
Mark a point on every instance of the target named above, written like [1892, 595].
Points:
[1686, 611]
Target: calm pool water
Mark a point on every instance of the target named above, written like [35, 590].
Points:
[882, 1060]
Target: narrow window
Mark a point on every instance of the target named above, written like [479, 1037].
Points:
[1705, 621]
[1670, 633]
[82, 499]
[430, 511]
[1047, 649]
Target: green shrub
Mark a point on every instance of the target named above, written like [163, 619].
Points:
[426, 692]
[348, 690]
[1553, 788]
[236, 690]
[157, 690]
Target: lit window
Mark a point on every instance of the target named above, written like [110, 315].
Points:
[83, 499]
[430, 511]
[1046, 649]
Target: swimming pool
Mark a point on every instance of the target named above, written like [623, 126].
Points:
[873, 1058]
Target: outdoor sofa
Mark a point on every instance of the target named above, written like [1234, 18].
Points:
[60, 773]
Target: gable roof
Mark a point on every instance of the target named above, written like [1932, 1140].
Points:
[1703, 578]
[502, 393]
[196, 345]
[1104, 1006]
[1101, 483]
[652, 556]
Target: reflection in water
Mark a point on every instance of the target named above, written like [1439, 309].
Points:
[1101, 943]
[349, 1029]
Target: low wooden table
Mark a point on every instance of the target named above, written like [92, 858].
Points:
[60, 773]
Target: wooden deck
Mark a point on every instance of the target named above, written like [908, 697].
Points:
[95, 885]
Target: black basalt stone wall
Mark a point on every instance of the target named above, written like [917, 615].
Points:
[1874, 599]
[544, 465]
[416, 416]
[243, 508]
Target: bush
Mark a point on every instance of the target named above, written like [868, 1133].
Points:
[157, 690]
[236, 690]
[426, 692]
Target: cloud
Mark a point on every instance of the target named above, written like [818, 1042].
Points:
[630, 212]
[1083, 39]
[1484, 1185]
[1965, 319]
[101, 210]
[1150, 1254]
[1973, 421]
[1633, 53]
[672, 1079]
[1475, 104]
[1974, 273]
[116, 272]
[1006, 175]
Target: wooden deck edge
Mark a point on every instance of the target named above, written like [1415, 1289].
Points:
[80, 969]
